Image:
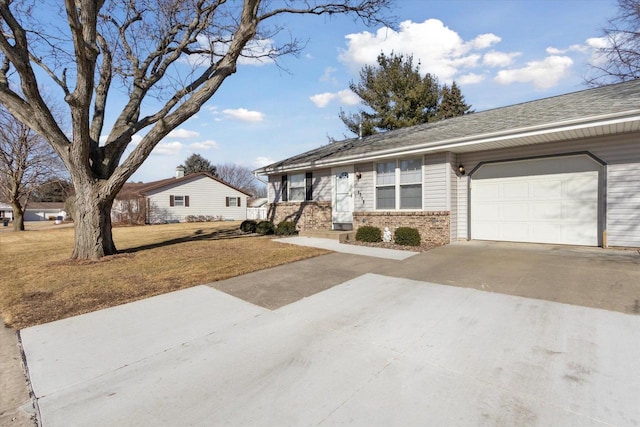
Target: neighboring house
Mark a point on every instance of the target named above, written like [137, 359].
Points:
[563, 170]
[36, 211]
[195, 197]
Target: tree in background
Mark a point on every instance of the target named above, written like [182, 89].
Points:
[619, 58]
[242, 178]
[52, 190]
[397, 96]
[26, 162]
[452, 103]
[196, 163]
[166, 57]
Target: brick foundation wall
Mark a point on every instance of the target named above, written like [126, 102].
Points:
[434, 227]
[307, 215]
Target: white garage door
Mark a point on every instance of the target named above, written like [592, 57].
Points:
[552, 200]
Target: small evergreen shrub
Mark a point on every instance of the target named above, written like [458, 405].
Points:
[286, 228]
[248, 226]
[368, 233]
[407, 236]
[265, 227]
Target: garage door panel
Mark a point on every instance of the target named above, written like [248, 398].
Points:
[546, 189]
[514, 212]
[515, 190]
[541, 211]
[540, 200]
[489, 191]
[513, 231]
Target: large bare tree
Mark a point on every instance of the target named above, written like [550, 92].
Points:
[241, 177]
[98, 46]
[26, 162]
[618, 58]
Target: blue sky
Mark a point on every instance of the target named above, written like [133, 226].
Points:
[500, 52]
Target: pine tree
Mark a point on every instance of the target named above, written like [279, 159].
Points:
[196, 163]
[398, 96]
[452, 103]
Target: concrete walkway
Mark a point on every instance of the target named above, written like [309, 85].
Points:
[334, 245]
[374, 350]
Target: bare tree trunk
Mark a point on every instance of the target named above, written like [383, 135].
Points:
[18, 216]
[92, 218]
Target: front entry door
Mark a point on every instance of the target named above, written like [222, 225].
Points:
[342, 197]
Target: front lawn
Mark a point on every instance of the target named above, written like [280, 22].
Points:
[38, 282]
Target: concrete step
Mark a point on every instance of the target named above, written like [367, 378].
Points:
[341, 236]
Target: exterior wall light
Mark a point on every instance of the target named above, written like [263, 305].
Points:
[461, 169]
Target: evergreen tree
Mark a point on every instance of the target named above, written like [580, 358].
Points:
[398, 96]
[196, 163]
[452, 102]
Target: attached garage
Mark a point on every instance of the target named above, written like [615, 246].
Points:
[544, 200]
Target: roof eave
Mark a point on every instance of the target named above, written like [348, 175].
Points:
[534, 135]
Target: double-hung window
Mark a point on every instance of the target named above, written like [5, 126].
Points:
[399, 184]
[297, 186]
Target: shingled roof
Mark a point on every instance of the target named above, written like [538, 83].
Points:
[604, 110]
[139, 189]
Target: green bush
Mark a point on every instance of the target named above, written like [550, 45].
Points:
[368, 233]
[265, 227]
[248, 226]
[407, 236]
[286, 228]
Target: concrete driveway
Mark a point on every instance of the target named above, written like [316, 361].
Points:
[378, 348]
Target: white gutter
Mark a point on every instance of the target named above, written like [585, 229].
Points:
[530, 131]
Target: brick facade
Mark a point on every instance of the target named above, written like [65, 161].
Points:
[434, 227]
[307, 215]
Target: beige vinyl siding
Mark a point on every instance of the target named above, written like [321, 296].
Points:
[322, 185]
[207, 197]
[273, 188]
[452, 191]
[363, 188]
[435, 194]
[622, 157]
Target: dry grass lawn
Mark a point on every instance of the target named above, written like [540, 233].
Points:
[40, 284]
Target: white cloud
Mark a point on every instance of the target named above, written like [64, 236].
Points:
[183, 133]
[328, 75]
[499, 59]
[263, 161]
[345, 97]
[440, 50]
[573, 48]
[243, 114]
[168, 148]
[543, 74]
[470, 79]
[484, 41]
[256, 52]
[204, 145]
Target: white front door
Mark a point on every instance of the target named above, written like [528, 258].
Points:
[342, 195]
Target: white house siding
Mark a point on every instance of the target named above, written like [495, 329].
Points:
[452, 190]
[273, 188]
[434, 189]
[322, 185]
[207, 197]
[364, 188]
[622, 157]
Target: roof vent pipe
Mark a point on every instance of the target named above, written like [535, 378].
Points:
[360, 131]
[180, 171]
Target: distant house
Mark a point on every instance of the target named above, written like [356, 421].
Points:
[561, 170]
[36, 211]
[191, 198]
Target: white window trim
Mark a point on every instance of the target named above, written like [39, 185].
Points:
[397, 185]
[175, 201]
[290, 186]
